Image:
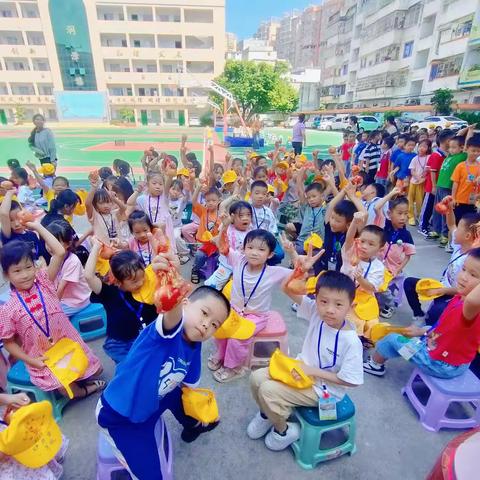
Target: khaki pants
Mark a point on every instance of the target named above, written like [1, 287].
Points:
[362, 327]
[415, 200]
[276, 399]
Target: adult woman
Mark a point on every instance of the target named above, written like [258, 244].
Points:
[41, 141]
[390, 125]
[353, 122]
[299, 139]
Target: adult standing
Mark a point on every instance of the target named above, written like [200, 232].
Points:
[256, 128]
[299, 139]
[42, 142]
[390, 126]
[353, 122]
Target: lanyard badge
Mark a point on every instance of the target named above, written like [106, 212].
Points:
[327, 405]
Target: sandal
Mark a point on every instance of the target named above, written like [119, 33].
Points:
[98, 385]
[194, 278]
[225, 375]
[184, 259]
[214, 363]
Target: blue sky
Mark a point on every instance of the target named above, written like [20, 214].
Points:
[244, 16]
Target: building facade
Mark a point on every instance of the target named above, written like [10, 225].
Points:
[268, 32]
[154, 58]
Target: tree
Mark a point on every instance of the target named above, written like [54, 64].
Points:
[257, 87]
[20, 114]
[441, 100]
[127, 115]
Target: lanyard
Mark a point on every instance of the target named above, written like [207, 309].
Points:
[453, 261]
[137, 312]
[393, 240]
[337, 246]
[366, 271]
[315, 215]
[335, 348]
[245, 300]
[214, 222]
[46, 330]
[256, 218]
[150, 209]
[140, 252]
[112, 233]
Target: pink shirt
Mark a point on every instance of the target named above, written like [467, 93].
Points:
[76, 293]
[418, 169]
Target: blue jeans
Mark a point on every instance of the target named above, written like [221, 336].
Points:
[117, 350]
[389, 346]
[346, 164]
[439, 222]
[199, 261]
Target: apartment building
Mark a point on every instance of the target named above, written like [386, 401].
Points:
[268, 32]
[397, 52]
[153, 57]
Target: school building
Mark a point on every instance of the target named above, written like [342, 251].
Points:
[145, 60]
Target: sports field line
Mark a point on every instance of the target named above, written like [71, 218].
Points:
[139, 146]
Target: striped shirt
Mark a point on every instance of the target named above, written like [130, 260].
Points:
[370, 157]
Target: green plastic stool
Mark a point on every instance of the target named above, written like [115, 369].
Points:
[19, 381]
[307, 450]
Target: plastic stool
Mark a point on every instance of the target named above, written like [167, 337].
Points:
[210, 266]
[465, 388]
[264, 343]
[91, 322]
[109, 467]
[396, 287]
[19, 381]
[307, 449]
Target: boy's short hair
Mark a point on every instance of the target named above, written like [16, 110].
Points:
[444, 135]
[395, 202]
[377, 231]
[237, 207]
[259, 184]
[125, 265]
[318, 186]
[13, 163]
[474, 141]
[262, 235]
[389, 141]
[460, 140]
[373, 134]
[345, 208]
[327, 161]
[336, 281]
[236, 160]
[402, 136]
[205, 291]
[410, 138]
[213, 191]
[470, 219]
[379, 189]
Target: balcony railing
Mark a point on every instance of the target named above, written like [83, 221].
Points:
[146, 101]
[27, 99]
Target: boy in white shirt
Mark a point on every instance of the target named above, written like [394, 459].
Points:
[331, 354]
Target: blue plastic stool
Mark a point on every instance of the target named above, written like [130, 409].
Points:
[307, 449]
[187, 214]
[210, 266]
[19, 381]
[91, 322]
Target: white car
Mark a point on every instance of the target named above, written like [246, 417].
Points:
[194, 121]
[334, 123]
[436, 121]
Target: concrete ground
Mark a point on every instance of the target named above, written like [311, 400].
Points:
[391, 443]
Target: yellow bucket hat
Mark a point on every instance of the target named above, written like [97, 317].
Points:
[281, 368]
[301, 158]
[235, 326]
[366, 305]
[102, 266]
[229, 176]
[145, 293]
[32, 437]
[387, 278]
[206, 236]
[426, 284]
[314, 239]
[67, 361]
[183, 171]
[270, 189]
[200, 403]
[283, 164]
[379, 330]
[46, 169]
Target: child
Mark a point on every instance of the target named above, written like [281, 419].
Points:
[370, 156]
[177, 201]
[434, 165]
[141, 228]
[371, 194]
[70, 283]
[399, 248]
[346, 149]
[254, 283]
[383, 171]
[463, 237]
[240, 224]
[263, 217]
[126, 317]
[466, 180]
[32, 320]
[361, 264]
[456, 155]
[218, 172]
[59, 184]
[123, 169]
[61, 207]
[331, 355]
[19, 178]
[229, 179]
[398, 147]
[361, 144]
[166, 356]
[418, 173]
[402, 162]
[446, 349]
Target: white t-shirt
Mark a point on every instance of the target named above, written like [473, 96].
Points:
[25, 195]
[235, 242]
[261, 300]
[349, 359]
[370, 207]
[455, 264]
[373, 271]
[264, 218]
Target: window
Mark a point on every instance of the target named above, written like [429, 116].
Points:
[408, 50]
[134, 17]
[45, 90]
[137, 43]
[141, 92]
[151, 68]
[41, 66]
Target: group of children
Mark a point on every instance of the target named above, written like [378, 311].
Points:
[342, 223]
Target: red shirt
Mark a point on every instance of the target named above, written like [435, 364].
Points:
[455, 340]
[434, 164]
[346, 149]
[384, 164]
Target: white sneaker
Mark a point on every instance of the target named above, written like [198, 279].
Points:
[275, 441]
[294, 307]
[258, 427]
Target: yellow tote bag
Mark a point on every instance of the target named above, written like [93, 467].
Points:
[200, 403]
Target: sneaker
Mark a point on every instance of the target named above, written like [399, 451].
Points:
[448, 248]
[433, 236]
[373, 368]
[443, 241]
[387, 312]
[419, 321]
[189, 435]
[412, 222]
[275, 441]
[423, 231]
[258, 427]
[294, 307]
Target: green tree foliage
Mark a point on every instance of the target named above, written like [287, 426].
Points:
[257, 87]
[441, 100]
[127, 115]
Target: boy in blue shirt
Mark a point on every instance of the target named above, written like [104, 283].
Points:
[165, 356]
[403, 160]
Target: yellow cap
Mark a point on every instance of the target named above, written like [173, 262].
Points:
[227, 289]
[46, 169]
[102, 266]
[32, 437]
[314, 239]
[235, 326]
[301, 158]
[283, 164]
[183, 171]
[379, 330]
[387, 278]
[281, 368]
[67, 361]
[426, 284]
[280, 184]
[229, 176]
[147, 290]
[270, 189]
[206, 236]
[366, 305]
[200, 403]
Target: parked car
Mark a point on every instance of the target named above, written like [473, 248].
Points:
[334, 123]
[367, 123]
[312, 122]
[194, 121]
[267, 122]
[447, 121]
